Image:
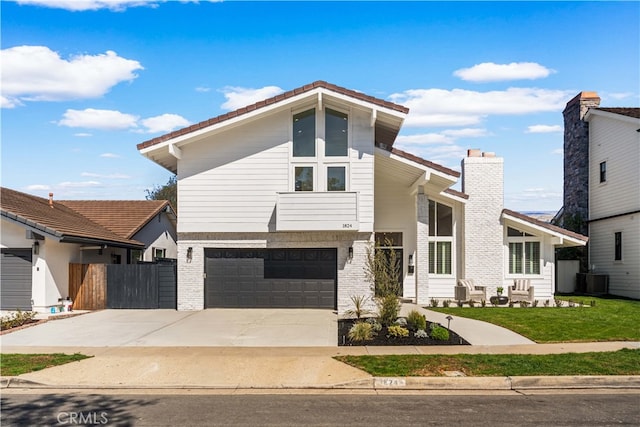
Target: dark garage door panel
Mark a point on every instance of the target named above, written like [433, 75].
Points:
[15, 279]
[237, 278]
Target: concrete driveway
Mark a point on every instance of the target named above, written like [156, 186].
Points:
[170, 328]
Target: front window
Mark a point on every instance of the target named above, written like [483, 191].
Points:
[336, 178]
[524, 252]
[603, 172]
[440, 238]
[304, 178]
[304, 134]
[336, 141]
[159, 253]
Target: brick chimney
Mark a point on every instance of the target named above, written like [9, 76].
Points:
[576, 161]
[483, 182]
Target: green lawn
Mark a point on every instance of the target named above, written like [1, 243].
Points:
[622, 362]
[608, 320]
[17, 364]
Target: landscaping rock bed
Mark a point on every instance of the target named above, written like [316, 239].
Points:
[382, 338]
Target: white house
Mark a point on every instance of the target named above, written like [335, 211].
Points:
[280, 201]
[41, 237]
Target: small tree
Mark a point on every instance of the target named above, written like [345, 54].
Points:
[169, 192]
[383, 270]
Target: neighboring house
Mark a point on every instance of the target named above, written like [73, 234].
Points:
[41, 237]
[280, 202]
[602, 187]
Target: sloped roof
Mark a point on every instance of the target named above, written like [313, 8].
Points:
[623, 111]
[419, 160]
[278, 98]
[60, 221]
[123, 217]
[550, 227]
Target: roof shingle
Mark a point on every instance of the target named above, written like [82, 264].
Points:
[623, 111]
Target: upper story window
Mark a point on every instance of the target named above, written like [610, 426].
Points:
[336, 178]
[336, 138]
[440, 238]
[524, 252]
[618, 246]
[304, 134]
[603, 172]
[303, 178]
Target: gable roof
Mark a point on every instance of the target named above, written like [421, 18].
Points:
[59, 221]
[419, 160]
[623, 111]
[269, 101]
[123, 217]
[552, 229]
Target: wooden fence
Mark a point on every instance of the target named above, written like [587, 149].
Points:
[88, 286]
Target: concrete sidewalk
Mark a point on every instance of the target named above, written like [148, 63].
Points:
[281, 368]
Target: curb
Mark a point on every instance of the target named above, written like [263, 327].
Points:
[389, 383]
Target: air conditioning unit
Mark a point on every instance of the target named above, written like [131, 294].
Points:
[597, 283]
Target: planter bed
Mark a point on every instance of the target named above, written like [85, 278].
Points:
[381, 339]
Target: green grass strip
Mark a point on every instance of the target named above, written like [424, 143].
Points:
[17, 364]
[607, 320]
[622, 362]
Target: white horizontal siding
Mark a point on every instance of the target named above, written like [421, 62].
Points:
[362, 165]
[317, 211]
[617, 143]
[624, 276]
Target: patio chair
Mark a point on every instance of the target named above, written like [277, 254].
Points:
[521, 290]
[467, 290]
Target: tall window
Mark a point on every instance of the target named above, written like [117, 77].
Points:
[524, 252]
[440, 238]
[336, 141]
[390, 246]
[618, 248]
[304, 134]
[603, 172]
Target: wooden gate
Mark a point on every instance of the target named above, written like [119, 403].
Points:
[88, 286]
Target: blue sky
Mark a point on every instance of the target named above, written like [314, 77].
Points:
[84, 81]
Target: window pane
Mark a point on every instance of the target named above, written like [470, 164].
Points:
[389, 239]
[432, 218]
[444, 258]
[304, 134]
[532, 254]
[445, 220]
[336, 178]
[515, 258]
[618, 247]
[335, 133]
[304, 178]
[603, 171]
[432, 257]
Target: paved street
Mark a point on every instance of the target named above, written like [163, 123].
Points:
[504, 409]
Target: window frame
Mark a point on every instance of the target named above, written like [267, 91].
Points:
[603, 172]
[436, 240]
[315, 139]
[523, 240]
[345, 166]
[314, 172]
[617, 247]
[155, 248]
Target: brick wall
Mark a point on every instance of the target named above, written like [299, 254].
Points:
[484, 247]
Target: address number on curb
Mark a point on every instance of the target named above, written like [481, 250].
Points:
[391, 382]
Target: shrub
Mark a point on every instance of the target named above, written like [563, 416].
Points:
[483, 303]
[460, 303]
[421, 333]
[592, 303]
[439, 333]
[472, 303]
[388, 309]
[397, 331]
[558, 303]
[511, 304]
[524, 303]
[16, 319]
[434, 302]
[547, 303]
[361, 331]
[446, 303]
[416, 321]
[358, 310]
[535, 302]
[382, 270]
[377, 327]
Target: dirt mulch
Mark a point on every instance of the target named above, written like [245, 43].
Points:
[382, 338]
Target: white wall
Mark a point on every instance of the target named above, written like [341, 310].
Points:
[158, 233]
[624, 276]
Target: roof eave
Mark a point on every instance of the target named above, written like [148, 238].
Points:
[563, 240]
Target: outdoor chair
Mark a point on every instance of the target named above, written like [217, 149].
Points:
[521, 290]
[467, 290]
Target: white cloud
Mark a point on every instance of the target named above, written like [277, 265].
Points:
[423, 139]
[82, 134]
[460, 107]
[558, 151]
[203, 89]
[533, 194]
[36, 73]
[78, 184]
[37, 187]
[164, 123]
[491, 72]
[109, 176]
[467, 133]
[98, 119]
[9, 103]
[83, 5]
[618, 95]
[110, 156]
[238, 97]
[544, 129]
